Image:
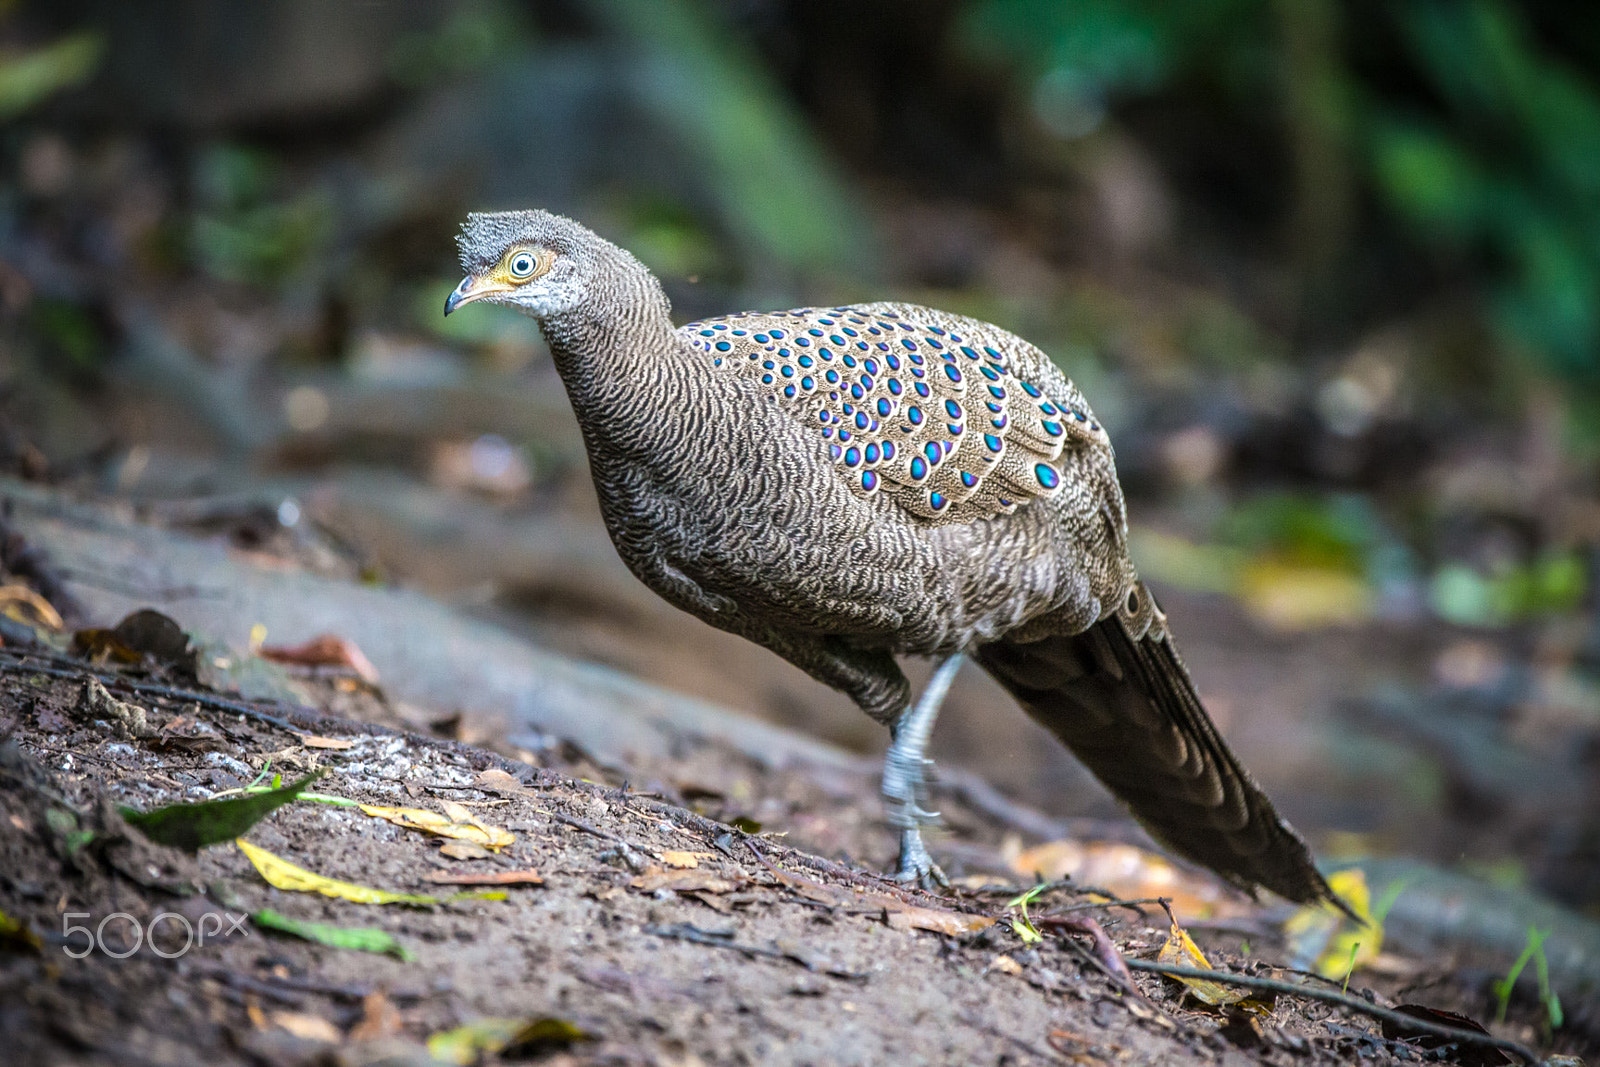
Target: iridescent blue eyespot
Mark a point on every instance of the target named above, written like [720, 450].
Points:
[855, 391]
[872, 453]
[766, 379]
[806, 361]
[861, 420]
[989, 373]
[888, 450]
[968, 480]
[803, 342]
[991, 442]
[954, 428]
[836, 339]
[914, 415]
[834, 451]
[723, 346]
[848, 332]
[931, 450]
[1052, 428]
[1031, 389]
[909, 343]
[1048, 408]
[707, 333]
[852, 456]
[808, 383]
[921, 387]
[1047, 475]
[778, 334]
[788, 390]
[869, 480]
[997, 392]
[936, 501]
[894, 386]
[992, 352]
[884, 407]
[953, 409]
[787, 371]
[832, 376]
[740, 333]
[844, 435]
[760, 338]
[849, 360]
[969, 353]
[919, 469]
[951, 373]
[870, 366]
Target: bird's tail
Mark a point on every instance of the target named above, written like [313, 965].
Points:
[1120, 698]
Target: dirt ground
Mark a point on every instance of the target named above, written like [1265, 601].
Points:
[765, 952]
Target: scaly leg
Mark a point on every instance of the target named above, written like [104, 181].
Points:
[904, 776]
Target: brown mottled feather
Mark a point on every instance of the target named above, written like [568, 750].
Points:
[721, 493]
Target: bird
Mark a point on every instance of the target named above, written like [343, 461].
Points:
[848, 485]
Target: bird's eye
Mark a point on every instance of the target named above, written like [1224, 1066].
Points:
[522, 265]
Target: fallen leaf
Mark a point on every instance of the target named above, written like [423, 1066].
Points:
[17, 936]
[526, 877]
[684, 859]
[379, 1018]
[498, 781]
[307, 1027]
[684, 881]
[482, 1038]
[18, 602]
[1181, 951]
[325, 650]
[431, 822]
[360, 938]
[938, 920]
[282, 874]
[1130, 872]
[1005, 965]
[337, 743]
[1466, 1055]
[457, 812]
[464, 850]
[209, 822]
[1323, 939]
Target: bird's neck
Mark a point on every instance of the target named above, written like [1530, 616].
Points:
[618, 354]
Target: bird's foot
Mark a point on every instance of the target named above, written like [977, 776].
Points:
[916, 866]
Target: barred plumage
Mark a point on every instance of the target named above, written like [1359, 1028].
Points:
[845, 485]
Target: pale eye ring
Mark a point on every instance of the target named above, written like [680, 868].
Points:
[521, 265]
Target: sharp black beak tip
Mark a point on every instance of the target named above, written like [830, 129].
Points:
[451, 301]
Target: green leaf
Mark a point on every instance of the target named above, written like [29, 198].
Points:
[360, 938]
[193, 826]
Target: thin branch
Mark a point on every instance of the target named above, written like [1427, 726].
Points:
[1344, 1000]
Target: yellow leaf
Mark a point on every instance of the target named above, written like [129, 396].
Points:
[469, 829]
[282, 874]
[1321, 933]
[1181, 951]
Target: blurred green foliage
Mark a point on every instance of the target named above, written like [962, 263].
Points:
[1466, 129]
[247, 229]
[28, 78]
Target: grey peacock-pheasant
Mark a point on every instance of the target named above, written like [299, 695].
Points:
[845, 485]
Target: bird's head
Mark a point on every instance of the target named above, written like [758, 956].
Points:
[539, 263]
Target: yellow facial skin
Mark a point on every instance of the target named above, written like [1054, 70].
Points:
[516, 268]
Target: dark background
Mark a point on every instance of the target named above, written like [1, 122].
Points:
[1330, 272]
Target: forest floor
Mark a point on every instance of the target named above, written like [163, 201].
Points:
[690, 906]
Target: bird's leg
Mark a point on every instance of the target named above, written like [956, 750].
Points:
[905, 776]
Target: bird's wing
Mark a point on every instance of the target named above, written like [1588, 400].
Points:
[953, 418]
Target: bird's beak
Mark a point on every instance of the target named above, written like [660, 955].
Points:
[474, 287]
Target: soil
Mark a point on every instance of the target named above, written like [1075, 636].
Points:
[765, 952]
